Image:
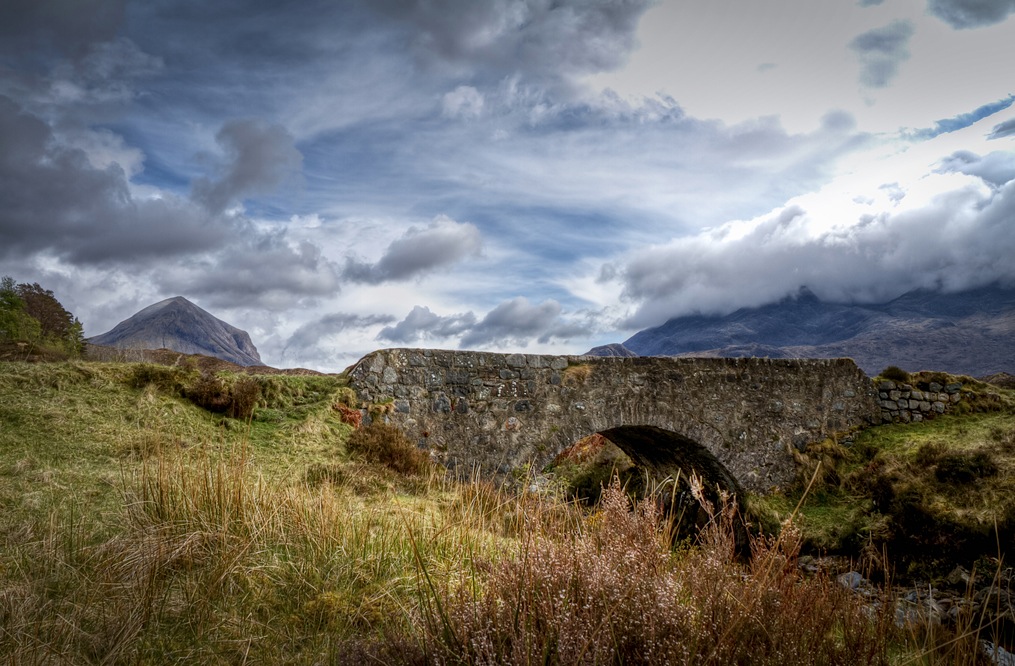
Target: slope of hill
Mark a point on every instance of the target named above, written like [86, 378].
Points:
[179, 325]
[970, 333]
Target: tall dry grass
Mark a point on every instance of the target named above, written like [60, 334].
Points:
[212, 562]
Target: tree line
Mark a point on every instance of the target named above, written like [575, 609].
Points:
[30, 314]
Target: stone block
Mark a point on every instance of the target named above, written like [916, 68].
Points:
[894, 395]
[935, 387]
[924, 406]
[887, 385]
[516, 360]
[938, 407]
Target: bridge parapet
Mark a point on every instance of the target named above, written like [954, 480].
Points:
[737, 419]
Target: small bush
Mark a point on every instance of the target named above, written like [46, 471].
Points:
[895, 374]
[236, 399]
[209, 392]
[348, 415]
[930, 453]
[243, 398]
[965, 468]
[387, 445]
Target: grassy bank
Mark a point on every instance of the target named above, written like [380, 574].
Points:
[930, 495]
[141, 523]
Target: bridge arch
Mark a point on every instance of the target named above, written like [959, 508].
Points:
[739, 419]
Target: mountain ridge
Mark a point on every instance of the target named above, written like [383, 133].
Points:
[970, 332]
[179, 325]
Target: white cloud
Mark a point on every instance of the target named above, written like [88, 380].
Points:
[463, 102]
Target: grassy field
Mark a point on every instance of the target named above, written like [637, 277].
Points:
[141, 521]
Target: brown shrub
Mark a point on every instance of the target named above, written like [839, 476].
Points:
[243, 398]
[237, 399]
[209, 392]
[387, 445]
[348, 415]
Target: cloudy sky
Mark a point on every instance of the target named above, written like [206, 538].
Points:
[335, 176]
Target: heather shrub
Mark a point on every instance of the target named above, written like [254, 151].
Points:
[387, 445]
[612, 592]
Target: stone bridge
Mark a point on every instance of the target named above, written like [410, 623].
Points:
[735, 421]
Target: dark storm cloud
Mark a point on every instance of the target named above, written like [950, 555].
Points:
[971, 13]
[540, 38]
[418, 252]
[309, 335]
[880, 52]
[879, 258]
[996, 168]
[514, 322]
[259, 158]
[1007, 128]
[55, 200]
[422, 324]
[262, 270]
[67, 26]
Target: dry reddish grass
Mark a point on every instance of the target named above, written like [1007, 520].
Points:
[612, 592]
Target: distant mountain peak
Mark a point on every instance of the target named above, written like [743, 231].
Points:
[970, 332]
[177, 324]
[805, 294]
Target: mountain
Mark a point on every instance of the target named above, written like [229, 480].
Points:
[971, 332]
[614, 349]
[181, 326]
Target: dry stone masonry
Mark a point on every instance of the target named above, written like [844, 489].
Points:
[902, 403]
[736, 421]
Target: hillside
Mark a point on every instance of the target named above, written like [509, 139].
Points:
[969, 333]
[140, 522]
[179, 325]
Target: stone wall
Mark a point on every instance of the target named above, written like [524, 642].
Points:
[737, 418]
[902, 403]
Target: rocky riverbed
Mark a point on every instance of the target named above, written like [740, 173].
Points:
[961, 601]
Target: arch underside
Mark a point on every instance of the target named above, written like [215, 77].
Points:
[664, 453]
